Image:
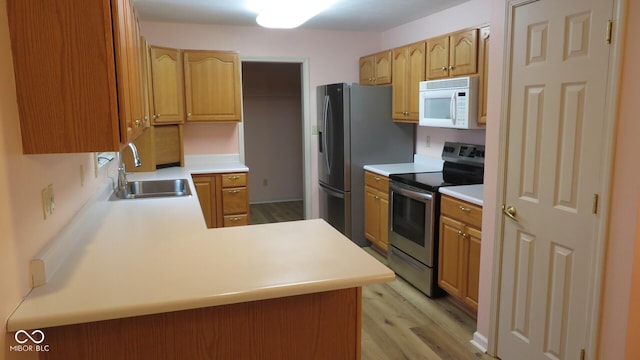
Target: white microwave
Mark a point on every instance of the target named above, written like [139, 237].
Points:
[449, 103]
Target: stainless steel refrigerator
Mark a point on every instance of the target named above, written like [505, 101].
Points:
[355, 129]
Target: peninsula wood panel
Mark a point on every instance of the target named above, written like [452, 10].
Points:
[322, 325]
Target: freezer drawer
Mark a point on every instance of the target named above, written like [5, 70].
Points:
[335, 208]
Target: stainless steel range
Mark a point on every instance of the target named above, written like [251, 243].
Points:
[414, 213]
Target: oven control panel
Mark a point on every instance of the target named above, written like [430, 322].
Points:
[463, 153]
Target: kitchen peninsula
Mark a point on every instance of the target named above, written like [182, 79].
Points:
[147, 279]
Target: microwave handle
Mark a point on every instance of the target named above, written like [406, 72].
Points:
[452, 107]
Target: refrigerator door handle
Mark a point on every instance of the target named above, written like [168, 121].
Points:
[325, 118]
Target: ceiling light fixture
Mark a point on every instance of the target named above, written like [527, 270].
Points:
[289, 14]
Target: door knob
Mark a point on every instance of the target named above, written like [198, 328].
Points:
[511, 212]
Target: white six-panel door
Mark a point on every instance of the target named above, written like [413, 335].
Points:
[558, 77]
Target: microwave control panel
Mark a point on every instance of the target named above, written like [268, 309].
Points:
[461, 108]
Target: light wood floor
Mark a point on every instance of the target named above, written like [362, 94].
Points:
[398, 321]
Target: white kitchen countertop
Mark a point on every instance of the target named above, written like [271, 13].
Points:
[208, 164]
[469, 193]
[146, 256]
[419, 164]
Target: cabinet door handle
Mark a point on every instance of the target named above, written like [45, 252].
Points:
[444, 68]
[157, 115]
[462, 234]
[189, 114]
[451, 67]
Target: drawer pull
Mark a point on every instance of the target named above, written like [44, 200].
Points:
[377, 178]
[464, 209]
[234, 219]
[236, 177]
[234, 191]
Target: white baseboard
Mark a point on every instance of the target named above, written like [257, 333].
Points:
[480, 341]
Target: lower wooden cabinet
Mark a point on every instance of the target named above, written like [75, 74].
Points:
[376, 210]
[206, 189]
[459, 250]
[224, 198]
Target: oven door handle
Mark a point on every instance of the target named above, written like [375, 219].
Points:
[411, 194]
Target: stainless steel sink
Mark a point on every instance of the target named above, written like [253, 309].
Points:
[154, 188]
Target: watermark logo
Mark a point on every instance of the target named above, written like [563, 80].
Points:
[22, 336]
[29, 341]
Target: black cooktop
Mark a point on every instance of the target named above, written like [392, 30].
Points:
[452, 174]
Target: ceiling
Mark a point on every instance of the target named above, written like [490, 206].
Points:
[349, 15]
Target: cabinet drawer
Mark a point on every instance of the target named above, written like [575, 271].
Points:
[461, 210]
[235, 201]
[376, 181]
[236, 220]
[234, 180]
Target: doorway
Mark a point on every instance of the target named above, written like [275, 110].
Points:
[273, 139]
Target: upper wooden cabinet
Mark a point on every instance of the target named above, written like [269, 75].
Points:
[135, 122]
[167, 85]
[77, 73]
[452, 55]
[408, 71]
[212, 85]
[483, 70]
[376, 69]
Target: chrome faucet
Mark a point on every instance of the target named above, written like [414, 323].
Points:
[122, 174]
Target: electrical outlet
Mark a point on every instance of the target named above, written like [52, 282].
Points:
[428, 141]
[48, 201]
